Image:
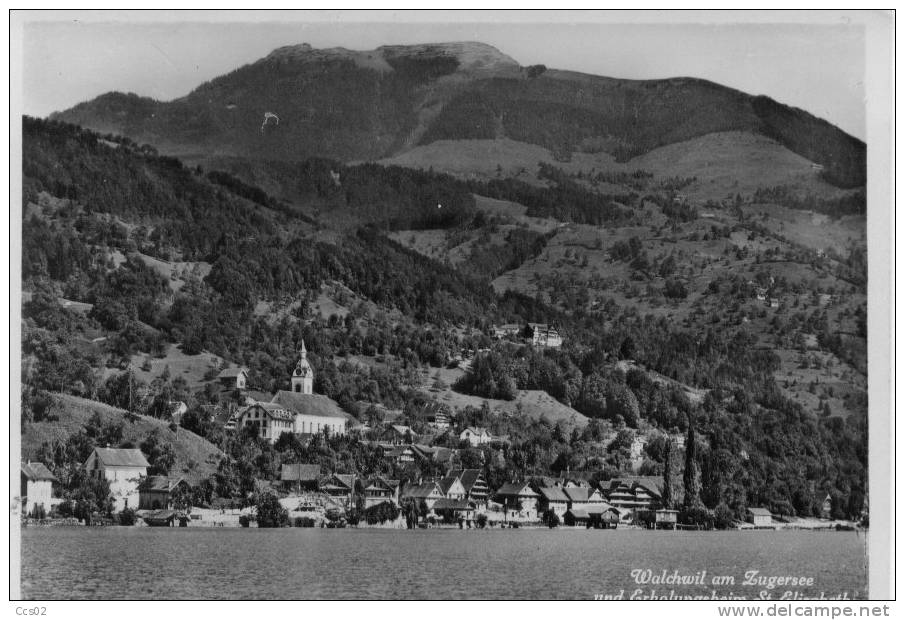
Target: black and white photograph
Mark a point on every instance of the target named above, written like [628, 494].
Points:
[454, 305]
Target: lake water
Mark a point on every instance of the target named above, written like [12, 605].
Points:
[295, 563]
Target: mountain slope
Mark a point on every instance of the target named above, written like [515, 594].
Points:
[196, 458]
[299, 102]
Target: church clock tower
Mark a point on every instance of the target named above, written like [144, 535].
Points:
[303, 375]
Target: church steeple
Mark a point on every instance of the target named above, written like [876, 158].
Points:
[303, 375]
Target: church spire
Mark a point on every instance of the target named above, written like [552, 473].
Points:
[303, 376]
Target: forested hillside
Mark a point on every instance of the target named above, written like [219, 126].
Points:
[98, 211]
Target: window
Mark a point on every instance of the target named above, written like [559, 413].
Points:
[298, 387]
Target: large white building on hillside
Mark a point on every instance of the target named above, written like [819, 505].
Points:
[298, 410]
[123, 469]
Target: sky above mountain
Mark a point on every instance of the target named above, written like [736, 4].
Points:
[819, 68]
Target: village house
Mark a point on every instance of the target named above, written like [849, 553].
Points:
[268, 420]
[379, 490]
[659, 519]
[437, 416]
[476, 436]
[233, 378]
[579, 496]
[452, 488]
[401, 455]
[759, 517]
[634, 493]
[598, 516]
[473, 483]
[542, 335]
[510, 330]
[36, 488]
[123, 468]
[452, 510]
[300, 477]
[397, 435]
[425, 494]
[339, 487]
[519, 501]
[157, 492]
[553, 498]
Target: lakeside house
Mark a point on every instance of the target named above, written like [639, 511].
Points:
[581, 495]
[659, 519]
[634, 493]
[759, 517]
[300, 477]
[36, 488]
[472, 481]
[426, 494]
[519, 501]
[379, 489]
[452, 488]
[123, 468]
[157, 492]
[339, 487]
[601, 516]
[553, 498]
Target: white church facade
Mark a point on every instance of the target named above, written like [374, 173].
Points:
[297, 410]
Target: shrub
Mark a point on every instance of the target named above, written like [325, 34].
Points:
[127, 517]
[270, 512]
[303, 522]
[481, 520]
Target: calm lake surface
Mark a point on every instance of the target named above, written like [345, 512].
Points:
[295, 563]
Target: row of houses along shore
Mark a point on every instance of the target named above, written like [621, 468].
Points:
[461, 498]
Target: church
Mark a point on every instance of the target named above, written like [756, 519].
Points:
[298, 410]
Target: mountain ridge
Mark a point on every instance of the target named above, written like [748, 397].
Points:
[367, 105]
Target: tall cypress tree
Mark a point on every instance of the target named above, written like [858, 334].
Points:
[667, 476]
[692, 475]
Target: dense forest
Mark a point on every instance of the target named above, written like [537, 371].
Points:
[96, 208]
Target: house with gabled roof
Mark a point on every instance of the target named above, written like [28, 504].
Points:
[123, 468]
[582, 496]
[235, 378]
[397, 435]
[37, 488]
[553, 498]
[379, 489]
[426, 492]
[452, 488]
[519, 501]
[300, 476]
[339, 487]
[473, 482]
[158, 492]
[269, 420]
[476, 436]
[759, 517]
